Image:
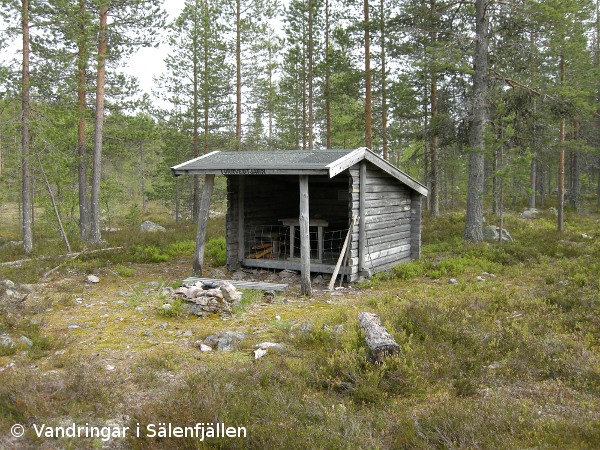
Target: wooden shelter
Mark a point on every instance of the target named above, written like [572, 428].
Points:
[307, 211]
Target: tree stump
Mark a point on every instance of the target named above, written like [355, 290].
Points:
[381, 343]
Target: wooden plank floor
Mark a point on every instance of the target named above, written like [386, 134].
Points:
[258, 285]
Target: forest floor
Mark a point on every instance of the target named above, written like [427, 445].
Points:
[500, 348]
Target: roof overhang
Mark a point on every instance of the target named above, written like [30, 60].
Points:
[210, 164]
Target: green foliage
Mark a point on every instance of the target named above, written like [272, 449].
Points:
[216, 251]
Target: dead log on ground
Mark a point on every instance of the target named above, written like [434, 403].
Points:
[380, 342]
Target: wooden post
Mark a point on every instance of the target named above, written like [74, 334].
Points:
[241, 225]
[304, 237]
[362, 232]
[209, 182]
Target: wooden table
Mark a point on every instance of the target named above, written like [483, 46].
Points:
[319, 223]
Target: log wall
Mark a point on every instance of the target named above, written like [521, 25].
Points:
[388, 220]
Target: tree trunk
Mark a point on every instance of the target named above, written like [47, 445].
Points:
[384, 138]
[435, 200]
[84, 219]
[25, 142]
[310, 76]
[327, 79]
[532, 183]
[95, 236]
[209, 181]
[561, 159]
[474, 215]
[238, 75]
[368, 141]
[143, 176]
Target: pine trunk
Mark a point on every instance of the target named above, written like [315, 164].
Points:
[310, 76]
[95, 235]
[327, 80]
[25, 142]
[384, 138]
[474, 215]
[561, 159]
[84, 219]
[238, 75]
[368, 141]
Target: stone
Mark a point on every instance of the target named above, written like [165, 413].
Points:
[167, 291]
[286, 273]
[109, 367]
[305, 327]
[480, 278]
[147, 333]
[153, 284]
[8, 284]
[92, 279]
[452, 281]
[167, 307]
[259, 353]
[125, 293]
[530, 213]
[205, 348]
[227, 340]
[553, 211]
[492, 233]
[151, 227]
[6, 341]
[139, 309]
[211, 340]
[231, 294]
[238, 275]
[270, 345]
[339, 328]
[218, 274]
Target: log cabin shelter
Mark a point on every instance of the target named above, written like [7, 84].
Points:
[301, 210]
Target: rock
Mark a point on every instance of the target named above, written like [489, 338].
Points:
[6, 341]
[259, 353]
[125, 294]
[187, 334]
[238, 275]
[269, 296]
[167, 291]
[92, 279]
[553, 211]
[139, 309]
[305, 327]
[109, 367]
[147, 333]
[8, 284]
[530, 213]
[480, 279]
[339, 328]
[231, 294]
[270, 345]
[286, 273]
[153, 284]
[167, 307]
[151, 227]
[452, 281]
[218, 274]
[182, 290]
[492, 233]
[319, 280]
[204, 348]
[224, 341]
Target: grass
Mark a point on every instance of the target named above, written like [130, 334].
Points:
[509, 362]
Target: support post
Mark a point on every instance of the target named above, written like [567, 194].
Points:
[209, 182]
[241, 224]
[304, 237]
[362, 232]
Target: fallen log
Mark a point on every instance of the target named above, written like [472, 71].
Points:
[381, 343]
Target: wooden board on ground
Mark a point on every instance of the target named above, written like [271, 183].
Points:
[258, 285]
